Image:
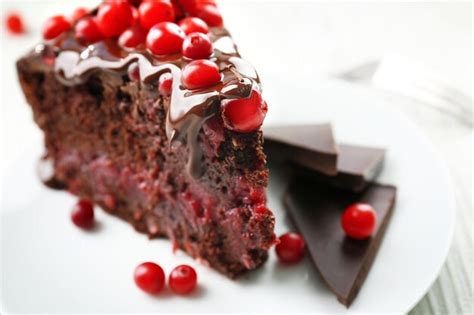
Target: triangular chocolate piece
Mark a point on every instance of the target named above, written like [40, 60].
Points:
[316, 210]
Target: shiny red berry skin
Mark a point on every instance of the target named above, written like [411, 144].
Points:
[14, 24]
[210, 14]
[193, 25]
[165, 38]
[83, 214]
[359, 221]
[197, 46]
[165, 84]
[114, 17]
[153, 12]
[291, 247]
[244, 114]
[200, 74]
[78, 14]
[183, 279]
[132, 37]
[134, 72]
[149, 277]
[55, 26]
[87, 30]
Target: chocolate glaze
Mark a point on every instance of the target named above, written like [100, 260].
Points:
[188, 109]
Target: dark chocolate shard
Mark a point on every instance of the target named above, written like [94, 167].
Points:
[312, 146]
[342, 262]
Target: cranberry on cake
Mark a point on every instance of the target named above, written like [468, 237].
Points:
[149, 111]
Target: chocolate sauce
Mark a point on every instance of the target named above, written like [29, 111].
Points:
[188, 109]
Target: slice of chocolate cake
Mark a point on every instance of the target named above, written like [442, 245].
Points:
[133, 122]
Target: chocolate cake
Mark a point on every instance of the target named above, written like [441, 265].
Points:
[176, 166]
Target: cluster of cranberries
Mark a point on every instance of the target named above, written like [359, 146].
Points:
[150, 278]
[151, 24]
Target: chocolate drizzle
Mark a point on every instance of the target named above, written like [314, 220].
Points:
[188, 109]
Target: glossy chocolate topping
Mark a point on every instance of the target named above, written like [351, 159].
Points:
[188, 109]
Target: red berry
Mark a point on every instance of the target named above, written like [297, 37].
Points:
[135, 16]
[291, 248]
[165, 84]
[83, 214]
[15, 24]
[165, 38]
[87, 30]
[193, 25]
[178, 12]
[155, 11]
[210, 14]
[200, 74]
[134, 72]
[359, 220]
[149, 277]
[244, 114]
[114, 17]
[78, 14]
[132, 37]
[183, 279]
[197, 46]
[55, 26]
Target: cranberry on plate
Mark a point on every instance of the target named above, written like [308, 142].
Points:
[114, 17]
[193, 25]
[55, 26]
[149, 277]
[183, 279]
[87, 30]
[359, 220]
[14, 24]
[245, 114]
[83, 214]
[291, 247]
[152, 12]
[132, 37]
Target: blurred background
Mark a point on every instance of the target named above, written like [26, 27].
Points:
[417, 53]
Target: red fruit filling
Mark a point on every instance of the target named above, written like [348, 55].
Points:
[197, 46]
[193, 25]
[359, 221]
[183, 279]
[149, 277]
[87, 30]
[132, 37]
[114, 17]
[200, 74]
[165, 84]
[244, 115]
[83, 214]
[291, 247]
[55, 26]
[153, 12]
[165, 38]
[14, 24]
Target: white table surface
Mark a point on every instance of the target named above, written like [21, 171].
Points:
[330, 38]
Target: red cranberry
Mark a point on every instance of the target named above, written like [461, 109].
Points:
[178, 12]
[134, 72]
[149, 277]
[193, 25]
[55, 26]
[87, 30]
[15, 24]
[155, 11]
[165, 38]
[245, 114]
[359, 220]
[200, 74]
[197, 46]
[165, 84]
[183, 279]
[135, 16]
[210, 14]
[114, 17]
[83, 214]
[290, 249]
[78, 14]
[132, 37]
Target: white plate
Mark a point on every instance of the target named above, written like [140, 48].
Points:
[49, 265]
